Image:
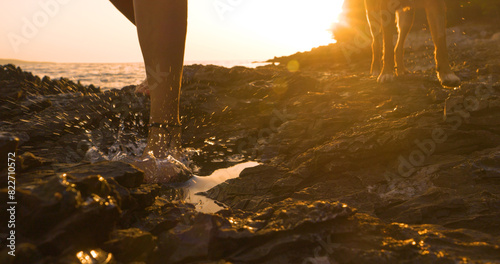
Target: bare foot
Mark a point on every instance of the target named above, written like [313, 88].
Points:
[160, 161]
[142, 88]
[164, 142]
[166, 170]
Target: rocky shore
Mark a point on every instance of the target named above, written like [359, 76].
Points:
[352, 171]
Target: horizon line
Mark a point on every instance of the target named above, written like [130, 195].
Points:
[13, 61]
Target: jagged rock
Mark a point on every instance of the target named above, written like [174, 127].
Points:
[8, 144]
[257, 187]
[125, 174]
[188, 241]
[60, 217]
[163, 215]
[145, 194]
[130, 245]
[29, 161]
[327, 135]
[24, 253]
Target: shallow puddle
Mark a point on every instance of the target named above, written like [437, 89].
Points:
[198, 184]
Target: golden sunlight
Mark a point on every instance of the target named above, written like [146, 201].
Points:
[299, 25]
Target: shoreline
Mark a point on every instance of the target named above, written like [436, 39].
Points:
[329, 139]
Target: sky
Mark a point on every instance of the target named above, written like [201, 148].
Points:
[94, 31]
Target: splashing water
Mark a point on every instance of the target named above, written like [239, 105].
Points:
[190, 191]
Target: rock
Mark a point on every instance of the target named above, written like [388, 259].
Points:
[351, 171]
[130, 245]
[125, 174]
[163, 215]
[37, 105]
[122, 195]
[29, 161]
[208, 237]
[145, 194]
[61, 217]
[432, 207]
[187, 242]
[438, 95]
[8, 144]
[256, 187]
[93, 184]
[489, 69]
[24, 253]
[88, 226]
[454, 105]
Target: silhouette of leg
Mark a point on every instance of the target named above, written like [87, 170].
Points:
[126, 7]
[161, 27]
[405, 19]
[436, 16]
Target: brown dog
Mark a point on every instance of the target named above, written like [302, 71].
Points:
[381, 16]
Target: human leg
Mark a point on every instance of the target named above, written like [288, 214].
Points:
[126, 7]
[161, 27]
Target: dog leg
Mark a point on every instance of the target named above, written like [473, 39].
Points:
[436, 16]
[405, 19]
[388, 29]
[374, 20]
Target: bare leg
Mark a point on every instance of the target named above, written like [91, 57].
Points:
[436, 16]
[405, 22]
[374, 20]
[161, 27]
[126, 7]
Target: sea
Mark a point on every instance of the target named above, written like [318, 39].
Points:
[110, 75]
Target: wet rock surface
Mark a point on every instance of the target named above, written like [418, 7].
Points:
[352, 171]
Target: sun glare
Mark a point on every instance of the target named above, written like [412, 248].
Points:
[300, 25]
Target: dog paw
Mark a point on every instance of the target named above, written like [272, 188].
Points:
[385, 78]
[449, 79]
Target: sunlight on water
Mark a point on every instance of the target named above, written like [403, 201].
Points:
[199, 184]
[111, 75]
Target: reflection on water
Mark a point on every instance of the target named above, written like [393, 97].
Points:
[110, 75]
[198, 184]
